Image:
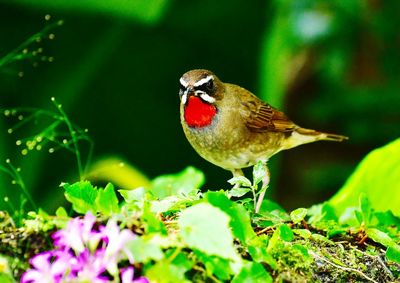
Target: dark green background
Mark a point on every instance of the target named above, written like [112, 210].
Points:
[330, 65]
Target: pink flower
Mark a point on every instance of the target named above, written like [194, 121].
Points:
[127, 276]
[47, 267]
[116, 249]
[85, 253]
[78, 234]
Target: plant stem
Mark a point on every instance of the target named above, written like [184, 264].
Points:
[73, 137]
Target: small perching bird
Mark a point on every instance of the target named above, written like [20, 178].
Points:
[232, 128]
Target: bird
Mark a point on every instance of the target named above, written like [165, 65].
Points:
[232, 128]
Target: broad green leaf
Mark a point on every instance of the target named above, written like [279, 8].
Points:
[377, 176]
[145, 250]
[82, 195]
[393, 253]
[240, 180]
[166, 272]
[240, 219]
[252, 272]
[380, 237]
[184, 183]
[298, 215]
[269, 205]
[107, 201]
[286, 233]
[206, 228]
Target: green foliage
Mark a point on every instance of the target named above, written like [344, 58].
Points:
[206, 228]
[84, 197]
[184, 183]
[377, 177]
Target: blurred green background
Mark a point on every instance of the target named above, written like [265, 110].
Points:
[330, 65]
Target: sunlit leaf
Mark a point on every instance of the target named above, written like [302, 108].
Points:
[107, 201]
[298, 215]
[286, 233]
[377, 176]
[393, 253]
[166, 272]
[186, 182]
[144, 250]
[252, 272]
[82, 195]
[206, 228]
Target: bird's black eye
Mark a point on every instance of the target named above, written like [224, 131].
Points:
[207, 87]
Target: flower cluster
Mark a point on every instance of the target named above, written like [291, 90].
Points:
[85, 252]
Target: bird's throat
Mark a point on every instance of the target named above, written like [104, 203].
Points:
[198, 113]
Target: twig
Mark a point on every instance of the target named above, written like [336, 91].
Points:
[342, 267]
[212, 277]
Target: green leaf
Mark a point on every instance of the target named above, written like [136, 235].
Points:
[186, 182]
[377, 176]
[166, 272]
[153, 224]
[182, 260]
[206, 228]
[380, 237]
[240, 218]
[252, 272]
[238, 192]
[259, 253]
[61, 212]
[298, 215]
[304, 233]
[258, 173]
[393, 253]
[215, 265]
[286, 233]
[107, 201]
[82, 195]
[133, 196]
[240, 180]
[144, 250]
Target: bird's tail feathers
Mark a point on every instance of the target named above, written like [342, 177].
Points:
[320, 135]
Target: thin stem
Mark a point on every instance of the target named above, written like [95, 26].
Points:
[13, 55]
[73, 136]
[20, 182]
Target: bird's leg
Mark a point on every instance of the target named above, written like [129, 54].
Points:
[264, 187]
[237, 173]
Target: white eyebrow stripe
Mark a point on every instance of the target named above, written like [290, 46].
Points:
[183, 82]
[205, 96]
[203, 81]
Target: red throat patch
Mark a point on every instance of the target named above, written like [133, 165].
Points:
[198, 113]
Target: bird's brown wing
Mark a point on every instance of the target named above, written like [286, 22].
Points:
[261, 117]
